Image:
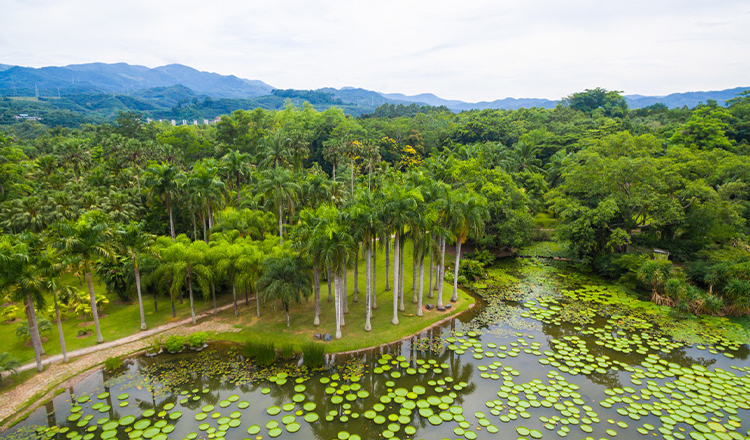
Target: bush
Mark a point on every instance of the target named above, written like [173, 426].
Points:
[155, 346]
[197, 339]
[313, 355]
[22, 331]
[113, 363]
[471, 269]
[287, 351]
[84, 331]
[10, 313]
[175, 343]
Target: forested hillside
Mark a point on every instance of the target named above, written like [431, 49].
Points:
[321, 188]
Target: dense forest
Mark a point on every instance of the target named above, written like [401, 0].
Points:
[271, 201]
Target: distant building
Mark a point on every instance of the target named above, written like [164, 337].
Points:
[205, 122]
[195, 122]
[26, 117]
[174, 123]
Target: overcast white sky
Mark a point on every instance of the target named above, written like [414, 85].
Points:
[467, 50]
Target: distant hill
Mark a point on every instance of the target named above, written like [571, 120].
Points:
[122, 78]
[95, 92]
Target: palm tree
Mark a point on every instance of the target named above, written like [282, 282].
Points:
[236, 166]
[287, 280]
[366, 224]
[205, 183]
[162, 179]
[469, 216]
[522, 157]
[280, 191]
[134, 241]
[87, 238]
[187, 263]
[401, 207]
[8, 363]
[331, 235]
[21, 275]
[276, 150]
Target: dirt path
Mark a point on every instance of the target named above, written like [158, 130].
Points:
[40, 387]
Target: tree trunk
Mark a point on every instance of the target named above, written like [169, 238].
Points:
[174, 312]
[234, 298]
[156, 299]
[171, 220]
[281, 227]
[329, 279]
[396, 267]
[345, 296]
[454, 298]
[210, 216]
[387, 261]
[203, 222]
[415, 275]
[337, 303]
[432, 270]
[94, 311]
[400, 286]
[247, 296]
[192, 309]
[421, 284]
[316, 290]
[36, 341]
[368, 290]
[60, 330]
[257, 301]
[286, 308]
[440, 271]
[213, 296]
[356, 276]
[195, 229]
[374, 274]
[137, 289]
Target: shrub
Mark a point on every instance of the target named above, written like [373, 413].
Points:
[313, 355]
[84, 331]
[287, 351]
[175, 343]
[197, 339]
[8, 363]
[22, 331]
[485, 257]
[471, 269]
[155, 346]
[10, 313]
[113, 363]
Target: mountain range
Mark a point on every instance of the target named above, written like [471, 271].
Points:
[177, 91]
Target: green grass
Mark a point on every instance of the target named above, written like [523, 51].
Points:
[544, 220]
[121, 320]
[272, 324]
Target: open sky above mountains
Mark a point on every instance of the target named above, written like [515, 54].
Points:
[480, 50]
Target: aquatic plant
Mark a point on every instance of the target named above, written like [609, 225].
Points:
[113, 363]
[265, 354]
[313, 355]
[197, 339]
[287, 351]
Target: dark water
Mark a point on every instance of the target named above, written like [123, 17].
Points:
[190, 381]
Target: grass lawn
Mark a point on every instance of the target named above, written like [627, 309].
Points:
[272, 324]
[121, 320]
[544, 220]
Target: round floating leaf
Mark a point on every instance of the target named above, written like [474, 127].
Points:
[311, 417]
[253, 430]
[272, 411]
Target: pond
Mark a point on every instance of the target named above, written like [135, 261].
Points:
[552, 353]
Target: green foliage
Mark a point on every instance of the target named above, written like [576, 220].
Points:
[264, 353]
[10, 313]
[155, 346]
[22, 330]
[174, 343]
[287, 351]
[113, 363]
[313, 355]
[611, 103]
[8, 364]
[197, 339]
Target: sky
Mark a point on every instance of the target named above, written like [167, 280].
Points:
[466, 50]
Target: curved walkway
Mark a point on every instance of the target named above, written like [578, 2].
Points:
[30, 393]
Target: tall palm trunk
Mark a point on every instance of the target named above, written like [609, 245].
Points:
[210, 215]
[401, 307]
[192, 309]
[174, 312]
[234, 297]
[368, 290]
[342, 298]
[356, 276]
[281, 227]
[415, 268]
[36, 341]
[94, 311]
[171, 220]
[257, 301]
[454, 298]
[432, 270]
[60, 330]
[337, 303]
[440, 270]
[286, 309]
[316, 289]
[421, 284]
[203, 223]
[396, 267]
[374, 275]
[345, 297]
[387, 261]
[329, 279]
[195, 228]
[137, 289]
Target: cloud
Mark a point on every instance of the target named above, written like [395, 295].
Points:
[479, 50]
